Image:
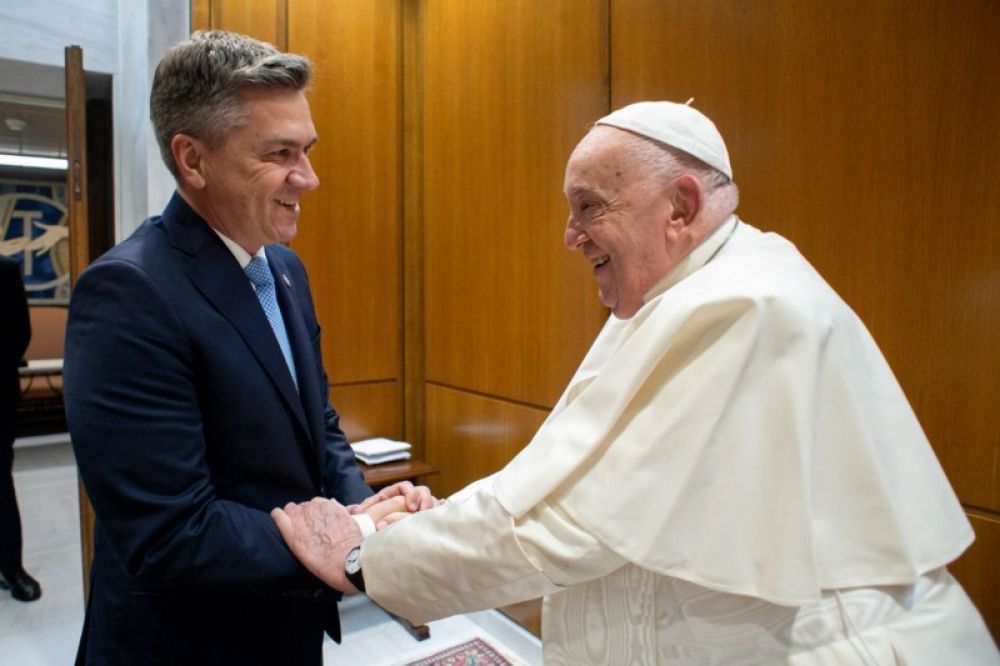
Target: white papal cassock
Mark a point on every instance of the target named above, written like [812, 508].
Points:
[733, 476]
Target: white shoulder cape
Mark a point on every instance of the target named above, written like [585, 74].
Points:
[743, 432]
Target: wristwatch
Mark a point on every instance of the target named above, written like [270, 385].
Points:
[352, 568]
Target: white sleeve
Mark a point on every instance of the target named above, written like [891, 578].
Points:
[563, 551]
[470, 555]
[365, 524]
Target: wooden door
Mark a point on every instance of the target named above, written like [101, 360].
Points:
[79, 257]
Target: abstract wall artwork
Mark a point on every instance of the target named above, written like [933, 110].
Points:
[34, 230]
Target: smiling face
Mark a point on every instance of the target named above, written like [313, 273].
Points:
[620, 218]
[249, 187]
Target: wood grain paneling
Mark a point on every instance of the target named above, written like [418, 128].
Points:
[79, 253]
[470, 436]
[201, 15]
[977, 570]
[76, 157]
[509, 88]
[368, 409]
[349, 232]
[864, 133]
[526, 613]
[260, 19]
[413, 225]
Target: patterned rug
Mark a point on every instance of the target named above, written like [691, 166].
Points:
[476, 652]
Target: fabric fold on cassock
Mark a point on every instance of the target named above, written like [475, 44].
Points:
[785, 457]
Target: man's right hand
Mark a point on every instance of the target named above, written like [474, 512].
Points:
[320, 533]
[387, 511]
[418, 498]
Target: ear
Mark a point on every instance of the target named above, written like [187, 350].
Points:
[189, 155]
[687, 200]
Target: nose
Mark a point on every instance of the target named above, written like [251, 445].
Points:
[573, 237]
[303, 176]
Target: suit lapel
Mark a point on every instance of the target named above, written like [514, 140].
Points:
[217, 275]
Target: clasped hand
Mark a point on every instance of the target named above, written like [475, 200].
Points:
[395, 502]
[321, 532]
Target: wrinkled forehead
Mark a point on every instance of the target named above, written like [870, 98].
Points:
[601, 155]
[600, 139]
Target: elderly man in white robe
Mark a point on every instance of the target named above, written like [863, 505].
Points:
[733, 475]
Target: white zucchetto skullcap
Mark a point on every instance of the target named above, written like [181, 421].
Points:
[676, 125]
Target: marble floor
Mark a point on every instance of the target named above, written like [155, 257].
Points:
[45, 632]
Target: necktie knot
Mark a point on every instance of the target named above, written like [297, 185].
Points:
[259, 273]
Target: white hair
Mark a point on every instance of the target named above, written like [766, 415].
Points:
[665, 163]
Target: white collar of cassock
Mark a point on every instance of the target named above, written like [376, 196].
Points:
[696, 259]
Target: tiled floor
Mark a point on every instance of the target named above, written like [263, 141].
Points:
[45, 632]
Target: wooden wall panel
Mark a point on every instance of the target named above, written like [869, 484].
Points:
[526, 613]
[349, 232]
[470, 436]
[509, 88]
[369, 409]
[413, 224]
[201, 15]
[865, 133]
[977, 569]
[261, 19]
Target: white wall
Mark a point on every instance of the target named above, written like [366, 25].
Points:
[124, 38]
[171, 22]
[38, 30]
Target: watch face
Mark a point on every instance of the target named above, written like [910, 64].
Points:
[353, 562]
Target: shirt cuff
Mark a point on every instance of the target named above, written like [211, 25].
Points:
[365, 523]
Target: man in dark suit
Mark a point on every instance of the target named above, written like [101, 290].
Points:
[14, 338]
[195, 392]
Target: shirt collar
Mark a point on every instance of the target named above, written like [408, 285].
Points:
[242, 256]
[696, 259]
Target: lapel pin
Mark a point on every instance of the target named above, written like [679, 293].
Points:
[288, 283]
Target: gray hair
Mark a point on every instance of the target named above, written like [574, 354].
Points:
[664, 163]
[198, 86]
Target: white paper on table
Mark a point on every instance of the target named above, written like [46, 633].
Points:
[380, 449]
[387, 457]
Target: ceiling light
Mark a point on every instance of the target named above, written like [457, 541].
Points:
[15, 124]
[32, 162]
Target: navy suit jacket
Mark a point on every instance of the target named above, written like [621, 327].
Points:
[188, 430]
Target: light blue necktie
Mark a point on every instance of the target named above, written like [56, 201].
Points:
[260, 275]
